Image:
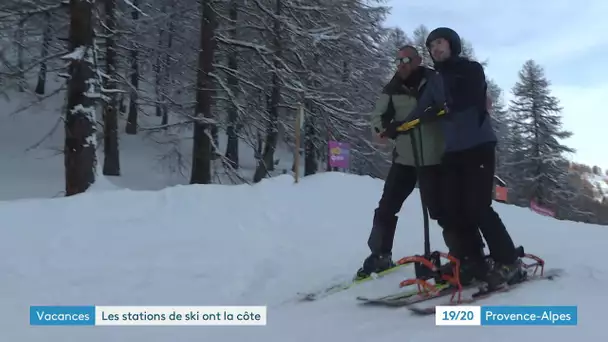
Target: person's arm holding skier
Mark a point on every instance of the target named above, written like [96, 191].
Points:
[468, 93]
[429, 105]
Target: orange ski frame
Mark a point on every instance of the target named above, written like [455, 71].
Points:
[426, 289]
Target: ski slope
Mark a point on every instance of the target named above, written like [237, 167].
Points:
[259, 245]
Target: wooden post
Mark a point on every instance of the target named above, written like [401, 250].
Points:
[296, 156]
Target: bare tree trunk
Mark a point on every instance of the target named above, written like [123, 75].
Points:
[259, 147]
[111, 163]
[167, 71]
[158, 66]
[329, 134]
[311, 164]
[80, 130]
[311, 144]
[266, 163]
[202, 145]
[44, 52]
[20, 40]
[131, 127]
[232, 146]
[121, 104]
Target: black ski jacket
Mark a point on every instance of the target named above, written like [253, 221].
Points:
[458, 86]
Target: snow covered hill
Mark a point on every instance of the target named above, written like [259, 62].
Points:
[259, 245]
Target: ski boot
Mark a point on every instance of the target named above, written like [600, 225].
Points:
[471, 271]
[505, 274]
[502, 274]
[375, 263]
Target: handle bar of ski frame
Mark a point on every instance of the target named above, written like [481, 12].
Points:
[406, 126]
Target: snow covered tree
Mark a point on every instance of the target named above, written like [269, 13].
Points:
[27, 41]
[80, 122]
[232, 129]
[329, 55]
[395, 39]
[203, 122]
[111, 163]
[467, 49]
[266, 162]
[44, 52]
[420, 34]
[131, 126]
[469, 52]
[499, 117]
[540, 162]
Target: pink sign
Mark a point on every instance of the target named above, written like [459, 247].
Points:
[541, 210]
[339, 154]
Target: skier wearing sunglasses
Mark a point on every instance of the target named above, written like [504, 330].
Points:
[398, 98]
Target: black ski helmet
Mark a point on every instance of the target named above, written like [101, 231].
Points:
[448, 34]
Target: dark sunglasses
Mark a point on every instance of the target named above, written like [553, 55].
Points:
[402, 60]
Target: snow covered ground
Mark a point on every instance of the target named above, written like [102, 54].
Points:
[259, 245]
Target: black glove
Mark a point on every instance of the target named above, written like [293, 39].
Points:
[391, 130]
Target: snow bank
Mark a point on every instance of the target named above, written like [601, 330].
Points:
[256, 245]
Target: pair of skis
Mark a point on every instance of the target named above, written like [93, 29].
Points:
[344, 285]
[473, 293]
[413, 299]
[550, 274]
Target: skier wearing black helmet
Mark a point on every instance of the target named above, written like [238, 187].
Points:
[468, 163]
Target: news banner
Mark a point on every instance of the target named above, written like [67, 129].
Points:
[506, 315]
[257, 315]
[147, 315]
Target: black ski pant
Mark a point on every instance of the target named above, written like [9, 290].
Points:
[467, 187]
[399, 184]
[431, 190]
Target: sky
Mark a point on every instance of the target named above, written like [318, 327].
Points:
[563, 36]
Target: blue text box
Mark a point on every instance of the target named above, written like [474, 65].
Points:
[62, 315]
[529, 315]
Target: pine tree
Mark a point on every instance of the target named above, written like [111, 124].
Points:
[111, 161]
[202, 147]
[80, 130]
[469, 52]
[396, 39]
[499, 117]
[539, 153]
[392, 42]
[420, 34]
[467, 49]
